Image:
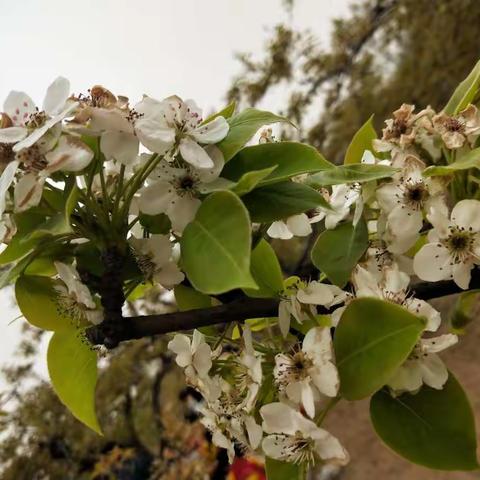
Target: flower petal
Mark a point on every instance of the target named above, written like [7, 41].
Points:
[156, 198]
[19, 106]
[119, 146]
[280, 230]
[56, 96]
[211, 132]
[432, 263]
[70, 155]
[466, 214]
[299, 225]
[194, 154]
[28, 191]
[12, 134]
[5, 181]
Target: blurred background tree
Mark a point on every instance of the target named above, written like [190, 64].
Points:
[385, 53]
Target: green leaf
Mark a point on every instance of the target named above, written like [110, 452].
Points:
[266, 272]
[276, 470]
[72, 365]
[433, 428]
[157, 224]
[361, 141]
[282, 200]
[35, 297]
[26, 223]
[464, 93]
[469, 160]
[356, 173]
[372, 340]
[189, 299]
[216, 245]
[248, 181]
[289, 158]
[243, 126]
[226, 112]
[337, 251]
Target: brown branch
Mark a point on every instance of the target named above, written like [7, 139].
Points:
[237, 311]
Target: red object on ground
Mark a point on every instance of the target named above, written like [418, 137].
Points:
[246, 468]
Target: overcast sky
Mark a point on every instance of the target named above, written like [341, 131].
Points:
[158, 47]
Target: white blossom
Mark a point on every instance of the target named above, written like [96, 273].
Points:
[293, 438]
[454, 244]
[305, 373]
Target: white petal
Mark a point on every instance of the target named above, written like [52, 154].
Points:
[424, 309]
[207, 175]
[5, 181]
[438, 344]
[119, 146]
[307, 398]
[202, 359]
[395, 280]
[12, 134]
[156, 198]
[28, 192]
[70, 155]
[284, 310]
[325, 378]
[19, 106]
[432, 263]
[388, 195]
[182, 211]
[315, 293]
[194, 154]
[330, 449]
[434, 371]
[280, 230]
[462, 274]
[211, 132]
[278, 418]
[466, 214]
[57, 95]
[299, 225]
[277, 447]
[407, 378]
[180, 345]
[169, 275]
[254, 432]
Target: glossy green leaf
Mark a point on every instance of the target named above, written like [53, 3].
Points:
[433, 428]
[216, 245]
[276, 470]
[372, 340]
[356, 173]
[469, 160]
[226, 112]
[26, 223]
[243, 126]
[157, 224]
[282, 200]
[188, 299]
[266, 271]
[361, 141]
[289, 158]
[465, 92]
[72, 365]
[337, 251]
[248, 181]
[35, 297]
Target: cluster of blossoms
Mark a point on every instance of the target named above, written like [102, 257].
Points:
[106, 192]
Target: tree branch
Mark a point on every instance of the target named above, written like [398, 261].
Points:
[235, 311]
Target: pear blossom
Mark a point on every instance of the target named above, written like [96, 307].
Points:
[74, 298]
[217, 426]
[300, 300]
[248, 370]
[404, 200]
[154, 258]
[175, 191]
[305, 373]
[392, 287]
[458, 129]
[423, 366]
[28, 123]
[343, 196]
[194, 355]
[454, 244]
[173, 123]
[293, 438]
[294, 226]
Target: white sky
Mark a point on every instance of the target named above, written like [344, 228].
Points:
[158, 47]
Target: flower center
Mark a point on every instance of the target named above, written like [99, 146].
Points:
[460, 243]
[145, 264]
[454, 125]
[36, 120]
[32, 159]
[298, 449]
[415, 194]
